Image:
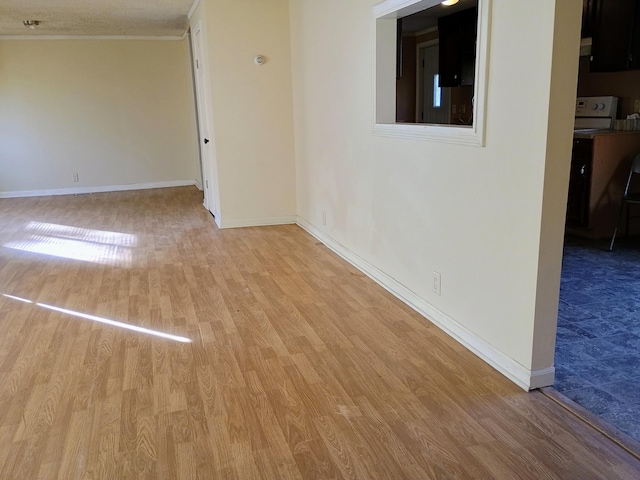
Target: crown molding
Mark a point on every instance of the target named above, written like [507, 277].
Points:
[193, 8]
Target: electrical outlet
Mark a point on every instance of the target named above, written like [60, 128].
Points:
[454, 109]
[76, 178]
[324, 217]
[463, 108]
[437, 283]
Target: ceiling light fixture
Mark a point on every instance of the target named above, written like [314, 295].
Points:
[32, 24]
[448, 3]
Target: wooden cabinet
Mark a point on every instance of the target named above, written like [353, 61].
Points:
[616, 36]
[599, 169]
[457, 51]
[580, 183]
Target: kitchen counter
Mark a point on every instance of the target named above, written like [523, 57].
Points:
[592, 133]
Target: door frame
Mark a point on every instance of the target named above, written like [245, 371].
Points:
[208, 157]
[420, 80]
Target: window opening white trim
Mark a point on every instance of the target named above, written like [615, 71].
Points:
[385, 16]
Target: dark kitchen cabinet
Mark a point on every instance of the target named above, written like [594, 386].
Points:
[457, 51]
[580, 183]
[588, 13]
[616, 36]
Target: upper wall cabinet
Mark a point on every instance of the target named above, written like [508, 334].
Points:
[616, 35]
[457, 55]
[588, 12]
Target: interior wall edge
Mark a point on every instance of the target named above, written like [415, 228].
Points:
[99, 189]
[562, 86]
[525, 378]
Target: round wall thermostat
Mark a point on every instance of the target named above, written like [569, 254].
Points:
[259, 60]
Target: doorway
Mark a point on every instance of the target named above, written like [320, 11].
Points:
[597, 353]
[205, 122]
[433, 102]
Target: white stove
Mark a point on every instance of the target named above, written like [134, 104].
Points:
[595, 113]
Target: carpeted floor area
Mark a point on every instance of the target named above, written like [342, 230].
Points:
[598, 342]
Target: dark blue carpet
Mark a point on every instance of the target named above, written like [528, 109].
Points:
[598, 342]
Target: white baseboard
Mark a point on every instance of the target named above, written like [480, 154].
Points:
[100, 189]
[542, 378]
[216, 218]
[520, 375]
[258, 222]
[91, 37]
[198, 184]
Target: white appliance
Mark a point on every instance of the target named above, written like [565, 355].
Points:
[595, 113]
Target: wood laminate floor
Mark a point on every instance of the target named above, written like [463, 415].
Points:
[297, 366]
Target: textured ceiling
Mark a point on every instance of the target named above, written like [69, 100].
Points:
[95, 17]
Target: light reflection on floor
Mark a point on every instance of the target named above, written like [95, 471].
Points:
[102, 320]
[74, 243]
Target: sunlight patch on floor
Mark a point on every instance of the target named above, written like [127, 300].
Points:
[74, 243]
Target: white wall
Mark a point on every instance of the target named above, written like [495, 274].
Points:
[490, 219]
[252, 109]
[116, 112]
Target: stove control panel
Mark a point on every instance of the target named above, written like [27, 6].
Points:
[596, 107]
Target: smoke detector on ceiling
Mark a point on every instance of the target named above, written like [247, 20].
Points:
[32, 24]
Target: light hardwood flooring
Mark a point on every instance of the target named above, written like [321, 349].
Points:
[299, 366]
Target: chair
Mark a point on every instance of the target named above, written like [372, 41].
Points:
[628, 198]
